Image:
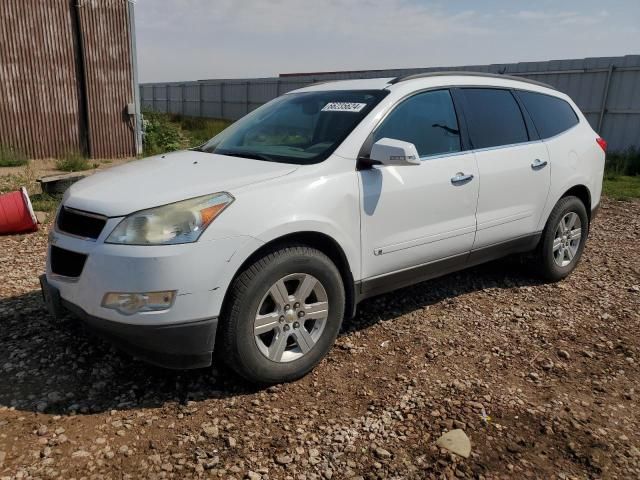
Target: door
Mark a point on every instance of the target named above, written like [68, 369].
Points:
[419, 214]
[514, 166]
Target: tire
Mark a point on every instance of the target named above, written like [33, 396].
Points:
[261, 339]
[558, 253]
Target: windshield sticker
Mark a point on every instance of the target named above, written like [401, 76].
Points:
[343, 107]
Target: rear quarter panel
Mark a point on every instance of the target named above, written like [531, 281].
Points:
[576, 159]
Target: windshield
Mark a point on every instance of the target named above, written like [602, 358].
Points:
[300, 128]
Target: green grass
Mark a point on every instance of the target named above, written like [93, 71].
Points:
[11, 157]
[199, 130]
[626, 162]
[622, 187]
[622, 174]
[167, 132]
[45, 203]
[27, 178]
[74, 162]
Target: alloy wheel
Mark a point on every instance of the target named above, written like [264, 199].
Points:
[567, 239]
[291, 317]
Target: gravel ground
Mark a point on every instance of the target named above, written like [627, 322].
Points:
[543, 378]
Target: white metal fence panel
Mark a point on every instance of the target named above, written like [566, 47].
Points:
[607, 90]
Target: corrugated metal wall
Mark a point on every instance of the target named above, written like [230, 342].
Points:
[106, 50]
[38, 116]
[66, 77]
[607, 90]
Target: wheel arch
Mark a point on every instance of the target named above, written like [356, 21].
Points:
[318, 240]
[583, 193]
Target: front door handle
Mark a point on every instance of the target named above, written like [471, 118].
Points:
[461, 178]
[538, 164]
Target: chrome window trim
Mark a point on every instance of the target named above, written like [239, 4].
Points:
[449, 87]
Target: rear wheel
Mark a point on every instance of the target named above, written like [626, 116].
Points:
[283, 316]
[563, 239]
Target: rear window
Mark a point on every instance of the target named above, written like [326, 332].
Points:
[551, 115]
[493, 118]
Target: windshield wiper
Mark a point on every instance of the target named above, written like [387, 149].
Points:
[254, 156]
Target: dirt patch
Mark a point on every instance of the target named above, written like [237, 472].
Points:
[543, 378]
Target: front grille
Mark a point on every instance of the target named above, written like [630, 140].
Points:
[67, 263]
[80, 224]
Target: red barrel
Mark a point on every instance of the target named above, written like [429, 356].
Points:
[16, 213]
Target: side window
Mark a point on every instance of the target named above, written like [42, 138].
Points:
[493, 117]
[550, 115]
[428, 120]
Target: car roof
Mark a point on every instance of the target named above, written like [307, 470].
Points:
[443, 78]
[357, 84]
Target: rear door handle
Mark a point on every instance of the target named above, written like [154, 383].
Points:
[461, 178]
[538, 164]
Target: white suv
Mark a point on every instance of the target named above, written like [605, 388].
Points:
[263, 239]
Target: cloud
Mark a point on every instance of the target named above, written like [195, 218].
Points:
[195, 39]
[561, 18]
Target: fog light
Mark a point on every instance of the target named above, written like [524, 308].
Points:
[130, 303]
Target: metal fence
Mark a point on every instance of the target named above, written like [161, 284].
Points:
[607, 90]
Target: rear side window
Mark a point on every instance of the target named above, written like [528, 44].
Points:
[428, 120]
[493, 117]
[551, 115]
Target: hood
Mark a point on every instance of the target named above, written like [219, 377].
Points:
[169, 178]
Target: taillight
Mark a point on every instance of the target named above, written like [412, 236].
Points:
[603, 143]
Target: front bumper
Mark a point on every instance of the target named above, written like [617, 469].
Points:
[199, 273]
[177, 346]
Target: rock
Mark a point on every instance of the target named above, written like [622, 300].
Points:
[382, 453]
[210, 431]
[534, 376]
[283, 459]
[547, 364]
[41, 217]
[2, 457]
[42, 430]
[314, 452]
[564, 354]
[80, 454]
[253, 475]
[232, 442]
[211, 463]
[455, 441]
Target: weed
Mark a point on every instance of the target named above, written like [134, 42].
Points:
[169, 132]
[73, 162]
[626, 162]
[12, 157]
[161, 135]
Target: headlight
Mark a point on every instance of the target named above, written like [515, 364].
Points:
[181, 222]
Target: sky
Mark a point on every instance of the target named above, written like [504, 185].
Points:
[203, 39]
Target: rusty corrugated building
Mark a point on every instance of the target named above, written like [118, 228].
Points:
[68, 78]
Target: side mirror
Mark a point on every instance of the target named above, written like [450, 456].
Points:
[389, 151]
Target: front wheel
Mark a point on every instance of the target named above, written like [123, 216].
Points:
[563, 239]
[283, 315]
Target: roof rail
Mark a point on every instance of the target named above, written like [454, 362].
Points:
[468, 74]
